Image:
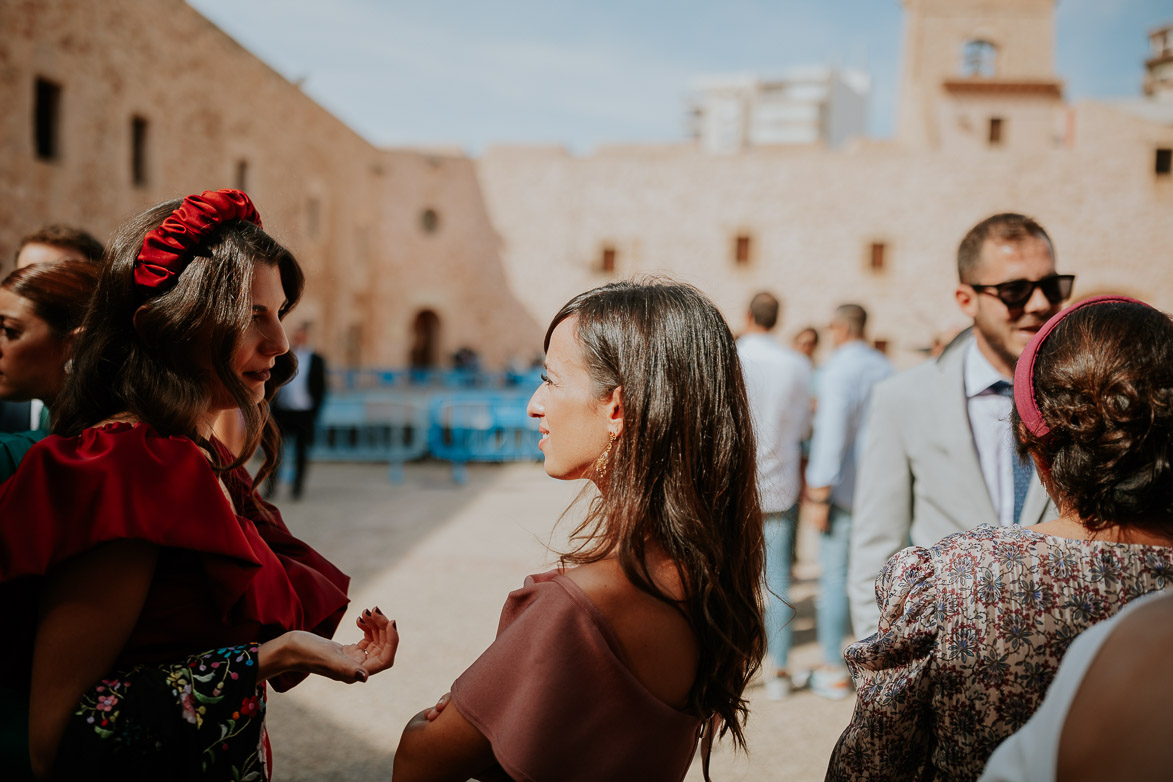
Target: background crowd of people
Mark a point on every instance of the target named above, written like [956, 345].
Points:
[977, 516]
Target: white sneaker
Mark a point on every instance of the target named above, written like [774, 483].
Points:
[832, 684]
[778, 688]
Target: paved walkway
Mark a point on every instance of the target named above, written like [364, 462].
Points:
[440, 559]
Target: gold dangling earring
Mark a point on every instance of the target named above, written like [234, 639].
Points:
[601, 463]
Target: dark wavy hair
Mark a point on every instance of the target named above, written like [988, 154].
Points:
[1104, 384]
[59, 292]
[146, 368]
[683, 474]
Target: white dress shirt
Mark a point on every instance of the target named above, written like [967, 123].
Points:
[35, 408]
[989, 419]
[777, 381]
[295, 395]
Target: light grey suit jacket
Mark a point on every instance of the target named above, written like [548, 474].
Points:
[919, 477]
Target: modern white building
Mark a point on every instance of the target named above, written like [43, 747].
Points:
[810, 105]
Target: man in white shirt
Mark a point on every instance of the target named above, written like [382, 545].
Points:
[777, 381]
[939, 455]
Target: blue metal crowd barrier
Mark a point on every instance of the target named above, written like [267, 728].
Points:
[456, 426]
[479, 427]
[372, 429]
[346, 381]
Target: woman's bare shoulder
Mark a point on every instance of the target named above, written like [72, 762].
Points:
[660, 646]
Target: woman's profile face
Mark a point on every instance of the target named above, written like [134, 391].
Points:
[32, 356]
[574, 422]
[263, 341]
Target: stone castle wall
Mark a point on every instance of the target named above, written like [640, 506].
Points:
[812, 216]
[514, 234]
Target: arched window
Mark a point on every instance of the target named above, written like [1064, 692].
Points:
[979, 59]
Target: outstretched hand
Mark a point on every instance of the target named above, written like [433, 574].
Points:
[307, 652]
[380, 640]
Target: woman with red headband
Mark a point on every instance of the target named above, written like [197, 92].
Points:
[148, 593]
[973, 628]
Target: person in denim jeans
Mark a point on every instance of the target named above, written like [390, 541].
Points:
[778, 384]
[845, 386]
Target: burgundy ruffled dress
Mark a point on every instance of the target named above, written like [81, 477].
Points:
[183, 694]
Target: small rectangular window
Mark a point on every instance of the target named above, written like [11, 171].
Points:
[995, 131]
[313, 217]
[46, 118]
[242, 175]
[607, 263]
[741, 249]
[138, 151]
[877, 259]
[1164, 165]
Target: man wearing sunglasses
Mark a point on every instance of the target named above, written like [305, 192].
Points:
[939, 455]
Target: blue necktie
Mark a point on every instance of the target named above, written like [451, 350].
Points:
[1023, 469]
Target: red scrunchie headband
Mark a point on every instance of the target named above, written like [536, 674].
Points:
[1024, 370]
[167, 249]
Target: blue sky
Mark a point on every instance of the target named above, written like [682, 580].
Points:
[589, 72]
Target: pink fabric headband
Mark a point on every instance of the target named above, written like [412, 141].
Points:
[1024, 370]
[167, 249]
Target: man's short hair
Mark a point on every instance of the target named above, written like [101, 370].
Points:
[1006, 227]
[763, 308]
[65, 236]
[854, 317]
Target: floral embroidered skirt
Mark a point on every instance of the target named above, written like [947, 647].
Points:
[201, 718]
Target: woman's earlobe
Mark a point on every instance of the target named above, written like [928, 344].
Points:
[137, 314]
[616, 402]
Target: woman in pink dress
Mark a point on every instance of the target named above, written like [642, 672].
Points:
[613, 668]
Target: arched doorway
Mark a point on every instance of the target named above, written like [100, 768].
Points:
[425, 340]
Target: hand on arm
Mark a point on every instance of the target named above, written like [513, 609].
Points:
[305, 652]
[89, 607]
[439, 745]
[829, 445]
[816, 508]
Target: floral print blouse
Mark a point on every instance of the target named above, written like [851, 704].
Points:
[971, 633]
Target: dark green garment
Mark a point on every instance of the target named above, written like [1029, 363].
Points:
[13, 447]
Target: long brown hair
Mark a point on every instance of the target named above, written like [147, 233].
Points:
[683, 474]
[142, 364]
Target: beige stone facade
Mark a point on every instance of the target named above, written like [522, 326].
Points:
[402, 244]
[216, 116]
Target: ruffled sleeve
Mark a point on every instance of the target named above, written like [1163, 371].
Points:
[321, 587]
[890, 734]
[556, 700]
[128, 482]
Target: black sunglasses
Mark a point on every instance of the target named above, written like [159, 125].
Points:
[1017, 293]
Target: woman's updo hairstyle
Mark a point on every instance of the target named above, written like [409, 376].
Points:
[58, 291]
[1103, 384]
[135, 352]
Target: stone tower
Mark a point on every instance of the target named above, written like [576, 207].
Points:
[1158, 81]
[980, 73]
